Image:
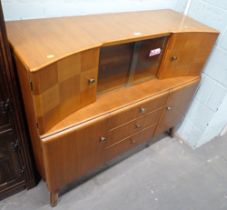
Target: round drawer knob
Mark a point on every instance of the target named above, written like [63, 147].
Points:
[103, 139]
[133, 141]
[168, 108]
[173, 58]
[138, 125]
[91, 81]
[142, 110]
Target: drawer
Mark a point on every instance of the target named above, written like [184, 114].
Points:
[151, 118]
[140, 109]
[128, 143]
[144, 135]
[124, 131]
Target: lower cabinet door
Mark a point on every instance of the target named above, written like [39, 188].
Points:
[10, 168]
[177, 105]
[73, 154]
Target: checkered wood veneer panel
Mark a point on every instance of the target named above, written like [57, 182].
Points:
[63, 87]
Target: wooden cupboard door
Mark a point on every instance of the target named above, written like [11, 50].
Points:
[73, 154]
[186, 54]
[177, 105]
[63, 87]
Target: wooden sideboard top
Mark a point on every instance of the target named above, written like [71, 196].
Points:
[41, 42]
[123, 97]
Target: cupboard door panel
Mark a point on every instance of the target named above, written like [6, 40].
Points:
[63, 87]
[10, 168]
[177, 105]
[186, 54]
[71, 155]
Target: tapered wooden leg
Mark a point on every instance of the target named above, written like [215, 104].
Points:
[53, 198]
[172, 132]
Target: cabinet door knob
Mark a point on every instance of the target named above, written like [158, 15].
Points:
[142, 110]
[91, 81]
[168, 108]
[103, 139]
[173, 58]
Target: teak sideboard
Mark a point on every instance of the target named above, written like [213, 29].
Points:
[95, 87]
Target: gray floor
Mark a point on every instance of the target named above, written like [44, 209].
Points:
[166, 176]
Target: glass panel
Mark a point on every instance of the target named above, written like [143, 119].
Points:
[149, 54]
[126, 64]
[114, 66]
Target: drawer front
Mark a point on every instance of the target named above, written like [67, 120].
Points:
[135, 126]
[128, 114]
[151, 118]
[128, 143]
[144, 135]
[120, 133]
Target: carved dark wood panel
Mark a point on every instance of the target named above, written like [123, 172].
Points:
[16, 170]
[10, 167]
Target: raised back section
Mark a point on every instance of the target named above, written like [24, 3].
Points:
[73, 82]
[69, 61]
[64, 87]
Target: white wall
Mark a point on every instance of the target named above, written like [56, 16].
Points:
[207, 116]
[27, 9]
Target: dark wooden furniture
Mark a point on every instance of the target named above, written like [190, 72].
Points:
[16, 170]
[95, 87]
